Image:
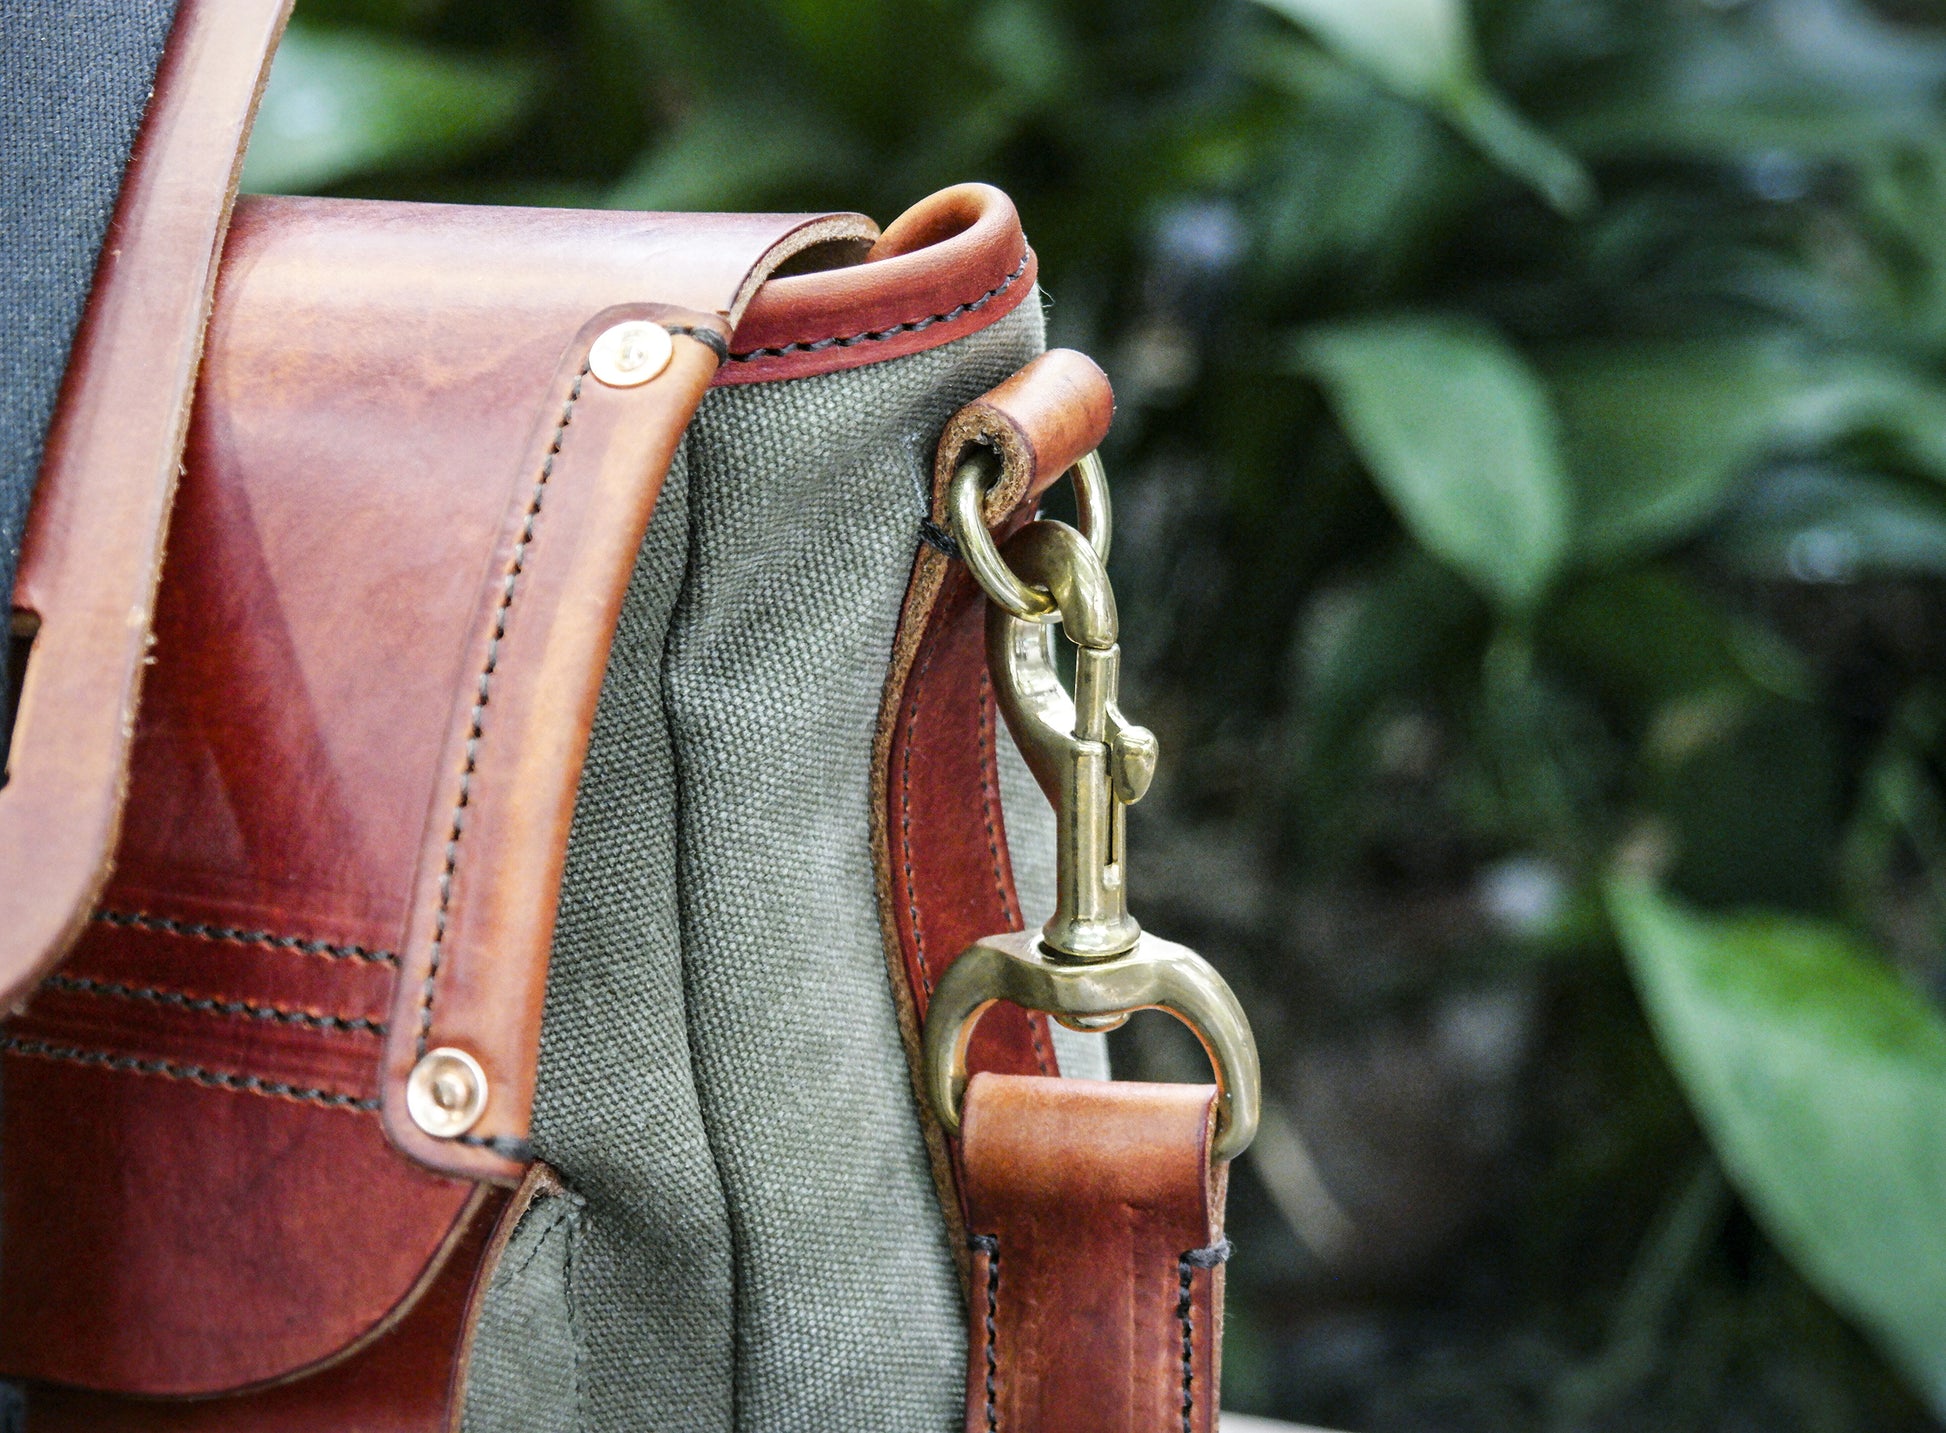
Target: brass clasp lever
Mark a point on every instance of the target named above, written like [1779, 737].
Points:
[1092, 965]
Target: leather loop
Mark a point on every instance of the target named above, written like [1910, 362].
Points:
[1095, 1221]
[1041, 422]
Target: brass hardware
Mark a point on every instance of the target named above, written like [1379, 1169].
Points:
[630, 354]
[446, 1093]
[1088, 758]
[1092, 965]
[966, 512]
[1099, 995]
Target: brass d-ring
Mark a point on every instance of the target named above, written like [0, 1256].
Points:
[1095, 995]
[966, 516]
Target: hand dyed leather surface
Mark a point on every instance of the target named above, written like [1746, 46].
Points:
[394, 569]
[408, 1378]
[1096, 1296]
[938, 833]
[93, 544]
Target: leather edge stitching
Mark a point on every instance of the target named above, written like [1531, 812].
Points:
[202, 1004]
[476, 733]
[194, 1074]
[233, 935]
[919, 325]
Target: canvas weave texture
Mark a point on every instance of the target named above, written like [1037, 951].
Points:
[757, 1243]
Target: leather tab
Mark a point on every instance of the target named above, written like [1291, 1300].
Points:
[1042, 421]
[1095, 1219]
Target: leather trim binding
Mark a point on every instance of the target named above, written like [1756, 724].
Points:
[93, 546]
[949, 266]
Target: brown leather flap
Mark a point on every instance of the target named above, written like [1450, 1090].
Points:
[406, 522]
[403, 533]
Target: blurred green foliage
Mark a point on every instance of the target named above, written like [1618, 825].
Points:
[1532, 460]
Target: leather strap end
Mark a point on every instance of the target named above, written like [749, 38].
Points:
[1041, 421]
[1094, 1215]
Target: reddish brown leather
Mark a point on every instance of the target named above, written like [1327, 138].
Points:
[410, 1379]
[93, 544]
[393, 572]
[938, 834]
[1096, 1297]
[948, 266]
[1042, 421]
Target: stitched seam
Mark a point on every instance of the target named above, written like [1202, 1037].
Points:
[576, 1330]
[561, 1217]
[874, 335]
[507, 1146]
[196, 1074]
[708, 337]
[1184, 1304]
[914, 687]
[989, 1244]
[1186, 1267]
[115, 990]
[232, 935]
[475, 732]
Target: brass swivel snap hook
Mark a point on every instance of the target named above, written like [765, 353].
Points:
[1092, 965]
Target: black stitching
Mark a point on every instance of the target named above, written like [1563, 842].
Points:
[518, 1150]
[710, 338]
[1186, 1267]
[114, 990]
[218, 1079]
[232, 935]
[989, 1245]
[474, 730]
[872, 335]
[938, 539]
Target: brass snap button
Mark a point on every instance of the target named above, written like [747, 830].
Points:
[446, 1093]
[631, 353]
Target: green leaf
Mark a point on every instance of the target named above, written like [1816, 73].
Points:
[1819, 525]
[1658, 434]
[1460, 437]
[1821, 1081]
[1424, 50]
[342, 102]
[733, 155]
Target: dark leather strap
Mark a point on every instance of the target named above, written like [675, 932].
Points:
[93, 545]
[1096, 1298]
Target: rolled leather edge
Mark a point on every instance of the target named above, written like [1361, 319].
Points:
[949, 266]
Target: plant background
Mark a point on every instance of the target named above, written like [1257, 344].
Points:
[1532, 471]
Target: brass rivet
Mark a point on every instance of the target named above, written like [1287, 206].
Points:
[446, 1093]
[631, 353]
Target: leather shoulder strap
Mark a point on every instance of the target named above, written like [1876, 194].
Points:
[93, 548]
